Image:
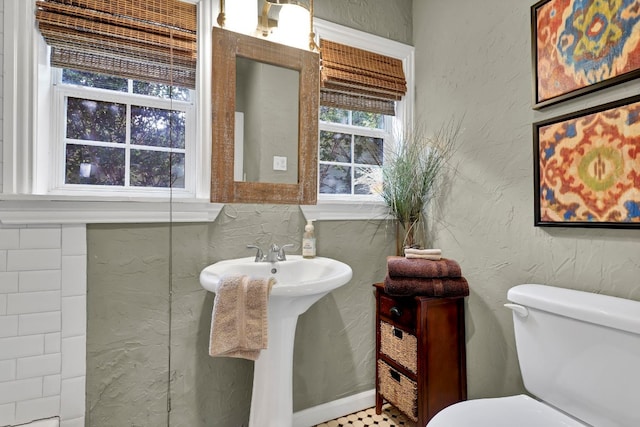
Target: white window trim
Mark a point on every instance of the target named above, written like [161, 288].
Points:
[333, 207]
[385, 134]
[23, 198]
[35, 209]
[56, 179]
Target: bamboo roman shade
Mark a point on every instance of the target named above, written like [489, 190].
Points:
[150, 40]
[357, 79]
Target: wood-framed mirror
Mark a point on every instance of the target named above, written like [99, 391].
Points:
[270, 184]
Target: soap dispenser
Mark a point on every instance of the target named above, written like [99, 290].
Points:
[309, 241]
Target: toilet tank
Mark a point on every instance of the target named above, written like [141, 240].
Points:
[580, 352]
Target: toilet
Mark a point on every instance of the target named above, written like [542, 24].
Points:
[579, 355]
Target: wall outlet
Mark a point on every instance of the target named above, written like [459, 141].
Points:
[279, 163]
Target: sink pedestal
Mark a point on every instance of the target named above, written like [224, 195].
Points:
[272, 396]
[299, 284]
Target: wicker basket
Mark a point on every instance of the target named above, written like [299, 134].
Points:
[398, 390]
[399, 345]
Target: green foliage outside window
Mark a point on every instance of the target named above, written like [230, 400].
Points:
[351, 162]
[106, 142]
[101, 81]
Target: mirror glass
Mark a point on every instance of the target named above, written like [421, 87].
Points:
[265, 111]
[266, 130]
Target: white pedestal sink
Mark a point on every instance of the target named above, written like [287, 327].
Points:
[300, 283]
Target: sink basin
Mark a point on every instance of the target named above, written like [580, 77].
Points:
[300, 282]
[297, 276]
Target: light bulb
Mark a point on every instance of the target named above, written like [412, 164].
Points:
[293, 27]
[241, 16]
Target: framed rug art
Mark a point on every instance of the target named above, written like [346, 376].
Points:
[587, 167]
[578, 46]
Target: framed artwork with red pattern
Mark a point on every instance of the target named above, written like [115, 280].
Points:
[578, 46]
[587, 167]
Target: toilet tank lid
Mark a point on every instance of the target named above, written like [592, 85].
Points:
[614, 312]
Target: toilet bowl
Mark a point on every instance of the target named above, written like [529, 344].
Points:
[579, 354]
[512, 411]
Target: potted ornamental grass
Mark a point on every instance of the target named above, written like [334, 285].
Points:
[412, 173]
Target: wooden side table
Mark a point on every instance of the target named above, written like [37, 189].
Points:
[420, 354]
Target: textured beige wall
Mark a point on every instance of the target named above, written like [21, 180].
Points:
[384, 18]
[129, 309]
[473, 59]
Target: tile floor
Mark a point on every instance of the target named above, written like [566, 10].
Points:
[390, 417]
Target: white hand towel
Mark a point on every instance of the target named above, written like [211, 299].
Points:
[423, 251]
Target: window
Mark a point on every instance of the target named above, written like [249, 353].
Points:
[32, 185]
[351, 143]
[363, 96]
[118, 133]
[128, 129]
[351, 151]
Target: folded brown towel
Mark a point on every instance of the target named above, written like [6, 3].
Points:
[436, 287]
[399, 266]
[239, 319]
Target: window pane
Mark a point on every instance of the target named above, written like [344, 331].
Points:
[368, 180]
[96, 120]
[334, 115]
[102, 81]
[335, 179]
[157, 169]
[368, 150]
[157, 127]
[368, 120]
[335, 147]
[161, 91]
[87, 164]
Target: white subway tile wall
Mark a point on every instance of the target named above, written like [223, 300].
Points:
[45, 280]
[8, 326]
[42, 323]
[7, 370]
[38, 366]
[42, 316]
[9, 238]
[7, 411]
[76, 422]
[74, 316]
[33, 302]
[37, 409]
[33, 259]
[72, 395]
[3, 265]
[51, 385]
[8, 281]
[52, 343]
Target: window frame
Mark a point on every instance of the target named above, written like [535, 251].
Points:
[353, 130]
[386, 134]
[56, 180]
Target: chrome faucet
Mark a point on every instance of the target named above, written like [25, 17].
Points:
[281, 255]
[259, 254]
[275, 253]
